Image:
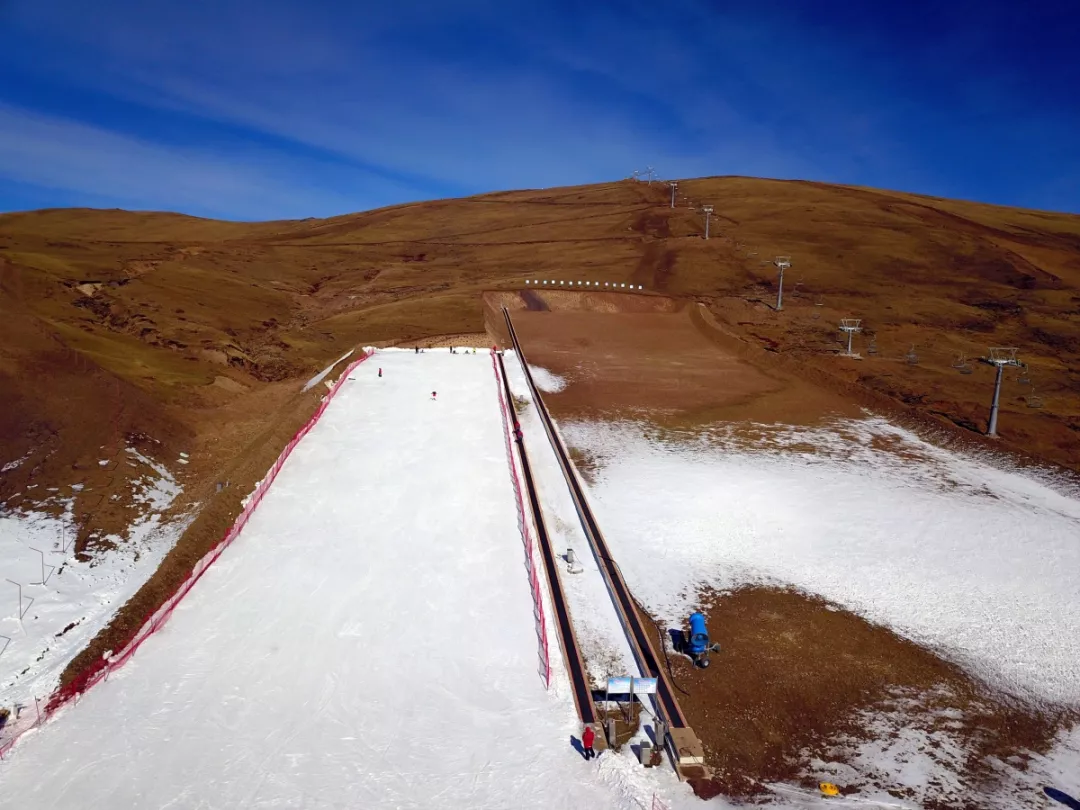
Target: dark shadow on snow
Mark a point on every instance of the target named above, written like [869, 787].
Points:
[575, 743]
[678, 641]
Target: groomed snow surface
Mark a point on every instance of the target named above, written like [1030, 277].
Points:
[368, 641]
[546, 381]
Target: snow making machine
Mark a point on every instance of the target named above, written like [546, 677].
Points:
[697, 644]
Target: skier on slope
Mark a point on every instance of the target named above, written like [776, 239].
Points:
[587, 739]
[380, 372]
[433, 395]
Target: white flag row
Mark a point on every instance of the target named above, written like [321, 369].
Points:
[554, 283]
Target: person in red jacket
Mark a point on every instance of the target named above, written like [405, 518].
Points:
[587, 739]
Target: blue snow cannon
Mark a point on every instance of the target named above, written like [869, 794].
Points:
[697, 645]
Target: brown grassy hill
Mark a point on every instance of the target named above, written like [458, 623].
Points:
[154, 322]
[117, 326]
[942, 278]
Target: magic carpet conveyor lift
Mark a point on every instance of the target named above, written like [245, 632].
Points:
[684, 745]
[571, 650]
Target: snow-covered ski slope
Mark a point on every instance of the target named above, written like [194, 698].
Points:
[368, 641]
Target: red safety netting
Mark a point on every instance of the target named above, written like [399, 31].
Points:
[526, 537]
[100, 669]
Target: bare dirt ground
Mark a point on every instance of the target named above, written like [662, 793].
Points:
[657, 364]
[796, 674]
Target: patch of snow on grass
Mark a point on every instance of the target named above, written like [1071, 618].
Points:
[924, 753]
[318, 378]
[546, 381]
[1020, 784]
[76, 602]
[958, 555]
[78, 598]
[915, 750]
[11, 465]
[157, 467]
[157, 493]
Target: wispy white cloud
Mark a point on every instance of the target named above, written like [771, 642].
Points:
[383, 93]
[64, 154]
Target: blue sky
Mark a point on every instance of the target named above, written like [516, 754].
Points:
[255, 109]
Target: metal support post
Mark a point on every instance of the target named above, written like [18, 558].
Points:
[782, 263]
[994, 405]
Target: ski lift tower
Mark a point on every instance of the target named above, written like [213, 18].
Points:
[674, 185]
[1000, 356]
[708, 213]
[851, 326]
[783, 263]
